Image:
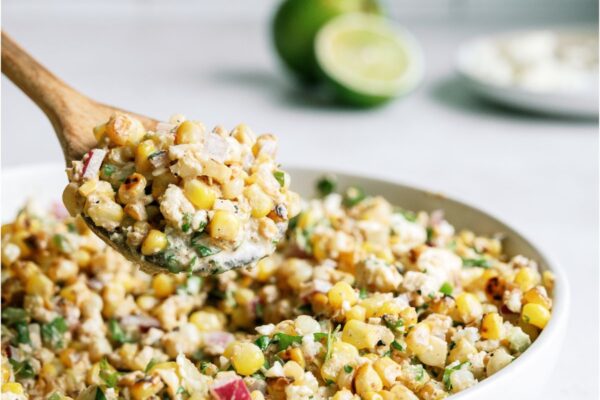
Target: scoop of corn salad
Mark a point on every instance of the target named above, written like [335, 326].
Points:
[362, 300]
[183, 198]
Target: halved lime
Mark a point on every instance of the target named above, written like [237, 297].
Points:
[368, 60]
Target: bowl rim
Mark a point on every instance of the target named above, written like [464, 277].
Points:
[561, 298]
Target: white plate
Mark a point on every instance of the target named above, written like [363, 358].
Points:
[582, 103]
[520, 380]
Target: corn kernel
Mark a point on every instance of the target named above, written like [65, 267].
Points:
[132, 188]
[461, 351]
[342, 293]
[200, 194]
[265, 269]
[87, 187]
[367, 380]
[297, 355]
[147, 302]
[145, 389]
[243, 296]
[163, 285]
[388, 370]
[344, 394]
[388, 308]
[12, 387]
[161, 182]
[469, 307]
[538, 295]
[188, 132]
[548, 280]
[535, 314]
[106, 214]
[491, 326]
[292, 369]
[123, 130]
[257, 395]
[356, 313]
[260, 202]
[526, 278]
[342, 354]
[39, 284]
[155, 242]
[142, 152]
[206, 321]
[224, 225]
[99, 132]
[360, 334]
[371, 396]
[217, 171]
[247, 358]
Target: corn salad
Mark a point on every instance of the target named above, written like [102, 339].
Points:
[362, 300]
[182, 197]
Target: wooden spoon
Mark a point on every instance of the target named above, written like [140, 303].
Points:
[73, 117]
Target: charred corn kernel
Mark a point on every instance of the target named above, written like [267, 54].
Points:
[469, 307]
[132, 189]
[142, 152]
[265, 269]
[485, 277]
[161, 182]
[200, 194]
[257, 395]
[39, 284]
[99, 132]
[243, 296]
[388, 370]
[292, 369]
[357, 313]
[342, 294]
[535, 314]
[88, 187]
[461, 352]
[155, 242]
[188, 132]
[145, 389]
[537, 295]
[367, 380]
[526, 278]
[163, 285]
[106, 214]
[13, 387]
[297, 355]
[492, 326]
[360, 334]
[124, 130]
[147, 302]
[342, 354]
[260, 202]
[247, 358]
[224, 225]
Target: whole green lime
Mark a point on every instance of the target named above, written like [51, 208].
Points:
[296, 24]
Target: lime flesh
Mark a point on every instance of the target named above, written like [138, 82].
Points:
[368, 60]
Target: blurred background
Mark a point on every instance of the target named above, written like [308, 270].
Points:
[215, 61]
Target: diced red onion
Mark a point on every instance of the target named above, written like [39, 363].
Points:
[230, 389]
[91, 166]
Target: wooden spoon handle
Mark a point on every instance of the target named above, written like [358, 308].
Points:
[60, 102]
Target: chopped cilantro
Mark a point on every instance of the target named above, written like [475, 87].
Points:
[363, 293]
[284, 341]
[326, 185]
[320, 336]
[398, 346]
[263, 342]
[353, 196]
[117, 333]
[61, 243]
[330, 339]
[13, 315]
[280, 176]
[108, 374]
[394, 325]
[205, 251]
[446, 289]
[150, 365]
[22, 369]
[419, 372]
[181, 390]
[448, 371]
[52, 332]
[429, 231]
[407, 214]
[348, 368]
[99, 394]
[55, 396]
[186, 224]
[108, 170]
[476, 262]
[22, 333]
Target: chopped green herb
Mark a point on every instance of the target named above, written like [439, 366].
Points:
[108, 374]
[363, 293]
[117, 333]
[398, 346]
[419, 372]
[348, 368]
[476, 262]
[61, 243]
[446, 289]
[108, 170]
[329, 382]
[284, 341]
[263, 342]
[326, 185]
[292, 223]
[54, 396]
[280, 176]
[330, 339]
[259, 310]
[52, 332]
[408, 215]
[13, 315]
[394, 325]
[181, 390]
[320, 336]
[149, 366]
[71, 228]
[204, 251]
[22, 369]
[186, 224]
[22, 333]
[353, 196]
[429, 231]
[156, 154]
[203, 366]
[448, 371]
[99, 394]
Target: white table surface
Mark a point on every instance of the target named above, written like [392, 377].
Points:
[539, 174]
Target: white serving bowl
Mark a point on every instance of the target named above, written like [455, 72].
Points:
[520, 380]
